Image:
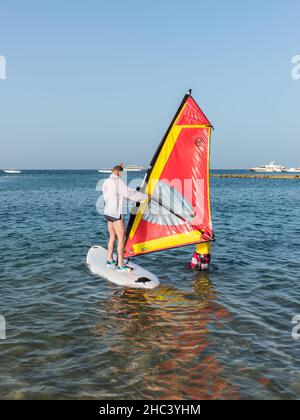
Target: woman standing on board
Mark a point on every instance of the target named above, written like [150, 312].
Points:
[114, 192]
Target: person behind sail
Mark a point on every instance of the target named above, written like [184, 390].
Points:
[114, 192]
[202, 257]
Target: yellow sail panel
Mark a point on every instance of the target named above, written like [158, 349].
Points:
[166, 242]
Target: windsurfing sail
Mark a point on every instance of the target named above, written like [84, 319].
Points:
[177, 212]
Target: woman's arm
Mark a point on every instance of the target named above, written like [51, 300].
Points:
[131, 194]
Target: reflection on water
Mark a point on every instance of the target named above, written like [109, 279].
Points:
[161, 340]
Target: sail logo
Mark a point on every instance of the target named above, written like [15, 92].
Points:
[2, 328]
[2, 68]
[296, 329]
[199, 141]
[296, 68]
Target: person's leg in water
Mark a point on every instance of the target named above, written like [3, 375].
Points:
[119, 227]
[111, 243]
[202, 257]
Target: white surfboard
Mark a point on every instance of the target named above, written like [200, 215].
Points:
[137, 278]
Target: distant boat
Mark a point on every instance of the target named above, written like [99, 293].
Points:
[293, 170]
[129, 168]
[133, 168]
[12, 171]
[271, 167]
[104, 171]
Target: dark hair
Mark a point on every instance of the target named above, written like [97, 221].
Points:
[118, 168]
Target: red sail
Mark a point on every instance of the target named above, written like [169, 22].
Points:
[178, 212]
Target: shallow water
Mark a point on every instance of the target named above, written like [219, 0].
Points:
[226, 334]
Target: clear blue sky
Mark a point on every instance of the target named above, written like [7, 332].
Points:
[90, 83]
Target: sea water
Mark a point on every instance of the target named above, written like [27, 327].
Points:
[225, 334]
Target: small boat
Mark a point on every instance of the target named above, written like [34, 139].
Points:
[129, 168]
[133, 168]
[104, 171]
[12, 171]
[271, 167]
[293, 170]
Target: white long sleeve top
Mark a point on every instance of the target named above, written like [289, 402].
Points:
[114, 192]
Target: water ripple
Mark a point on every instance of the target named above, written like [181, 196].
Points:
[224, 335]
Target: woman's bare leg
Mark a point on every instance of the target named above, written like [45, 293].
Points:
[111, 242]
[119, 228]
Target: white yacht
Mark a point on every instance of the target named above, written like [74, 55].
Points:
[133, 168]
[271, 167]
[12, 171]
[129, 168]
[104, 171]
[293, 170]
